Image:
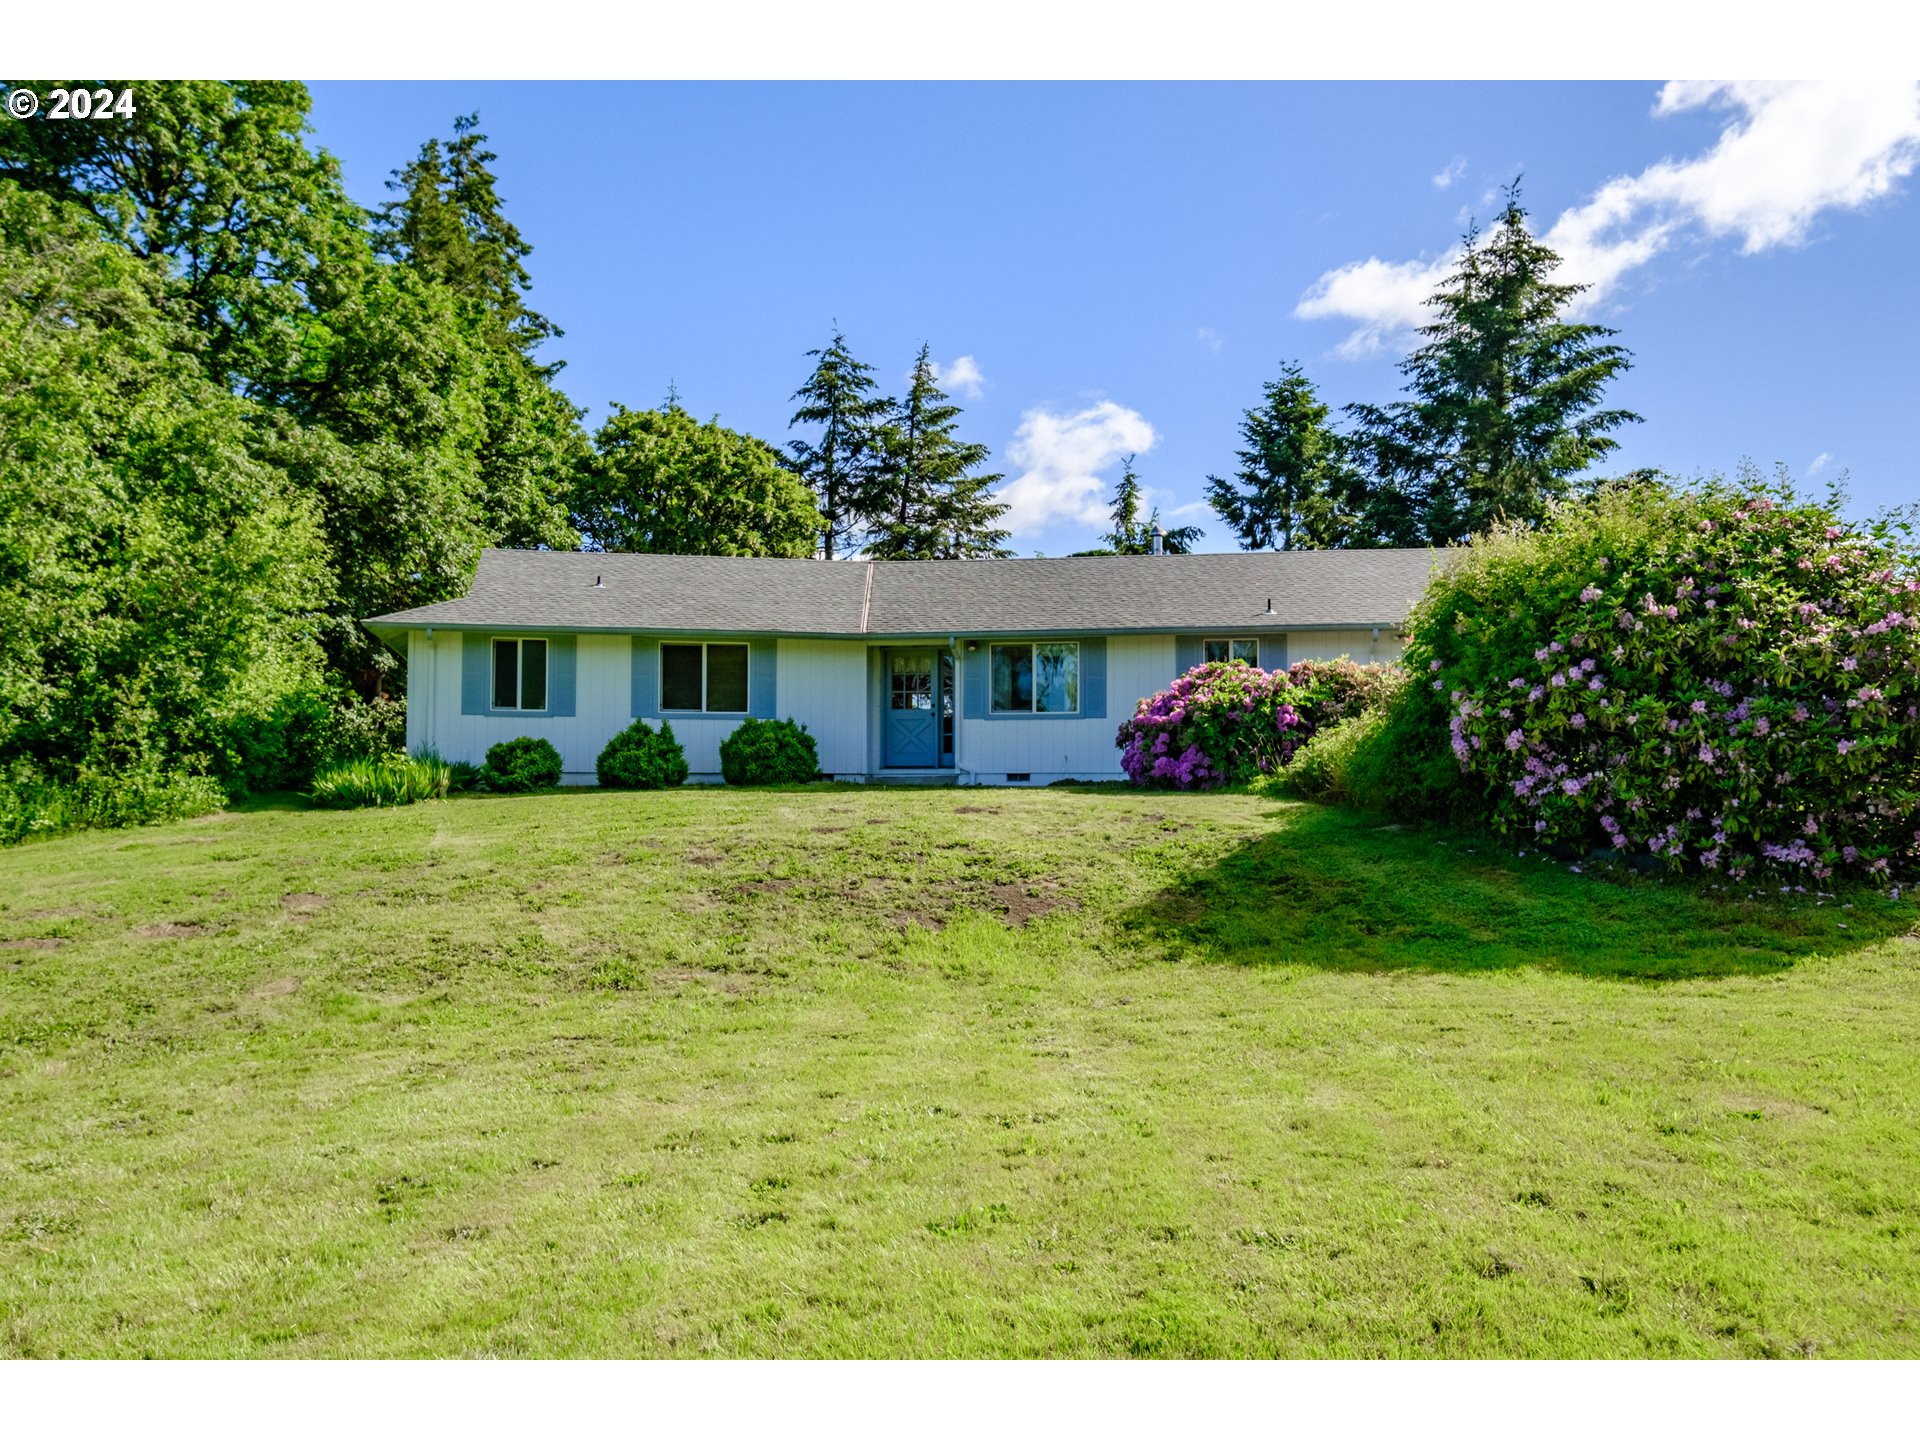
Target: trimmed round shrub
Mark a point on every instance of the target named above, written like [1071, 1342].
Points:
[769, 752]
[642, 758]
[522, 764]
[1726, 676]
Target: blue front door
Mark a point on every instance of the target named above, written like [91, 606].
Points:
[913, 719]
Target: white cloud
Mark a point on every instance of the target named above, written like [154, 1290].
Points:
[1787, 153]
[1209, 338]
[960, 377]
[1455, 169]
[1818, 464]
[1387, 297]
[1061, 457]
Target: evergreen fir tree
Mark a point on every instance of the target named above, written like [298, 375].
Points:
[840, 464]
[927, 502]
[449, 223]
[1132, 535]
[1506, 399]
[1294, 476]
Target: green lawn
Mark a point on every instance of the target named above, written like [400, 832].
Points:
[937, 1072]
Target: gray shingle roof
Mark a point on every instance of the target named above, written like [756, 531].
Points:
[556, 590]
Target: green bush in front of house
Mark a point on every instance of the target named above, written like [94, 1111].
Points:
[769, 752]
[395, 778]
[642, 758]
[522, 764]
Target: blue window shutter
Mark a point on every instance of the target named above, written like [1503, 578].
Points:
[763, 691]
[1273, 652]
[646, 676]
[1188, 651]
[476, 670]
[973, 688]
[562, 654]
[1093, 678]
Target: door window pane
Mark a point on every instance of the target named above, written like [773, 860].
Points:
[533, 674]
[680, 677]
[911, 678]
[1012, 677]
[1056, 677]
[727, 678]
[506, 674]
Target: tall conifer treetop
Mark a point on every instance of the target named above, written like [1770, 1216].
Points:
[925, 500]
[839, 463]
[1294, 480]
[1505, 402]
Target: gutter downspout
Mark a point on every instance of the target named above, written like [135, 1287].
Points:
[959, 712]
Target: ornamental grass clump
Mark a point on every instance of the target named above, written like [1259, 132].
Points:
[1218, 724]
[396, 778]
[1724, 677]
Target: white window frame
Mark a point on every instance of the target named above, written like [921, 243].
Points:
[1230, 641]
[519, 674]
[1034, 712]
[705, 708]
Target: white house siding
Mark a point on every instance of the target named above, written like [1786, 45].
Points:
[1048, 749]
[1332, 644]
[823, 685]
[828, 687]
[603, 676]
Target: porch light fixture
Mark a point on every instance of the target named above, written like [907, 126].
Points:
[973, 645]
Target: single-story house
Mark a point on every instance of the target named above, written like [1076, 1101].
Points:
[977, 671]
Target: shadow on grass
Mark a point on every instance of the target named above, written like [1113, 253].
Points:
[1346, 891]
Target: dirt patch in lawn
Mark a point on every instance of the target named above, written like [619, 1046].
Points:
[976, 810]
[828, 829]
[274, 988]
[1014, 904]
[31, 942]
[304, 902]
[703, 858]
[769, 886]
[1022, 906]
[173, 930]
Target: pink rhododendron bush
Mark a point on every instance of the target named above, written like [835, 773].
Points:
[1226, 723]
[1725, 677]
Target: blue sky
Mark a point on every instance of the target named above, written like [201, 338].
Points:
[1122, 265]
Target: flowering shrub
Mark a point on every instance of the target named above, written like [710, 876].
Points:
[1726, 677]
[1226, 723]
[1326, 692]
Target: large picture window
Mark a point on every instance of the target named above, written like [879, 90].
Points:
[1038, 679]
[519, 674]
[709, 678]
[1247, 650]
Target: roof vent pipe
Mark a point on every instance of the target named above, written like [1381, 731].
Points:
[1159, 541]
[1269, 605]
[596, 583]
